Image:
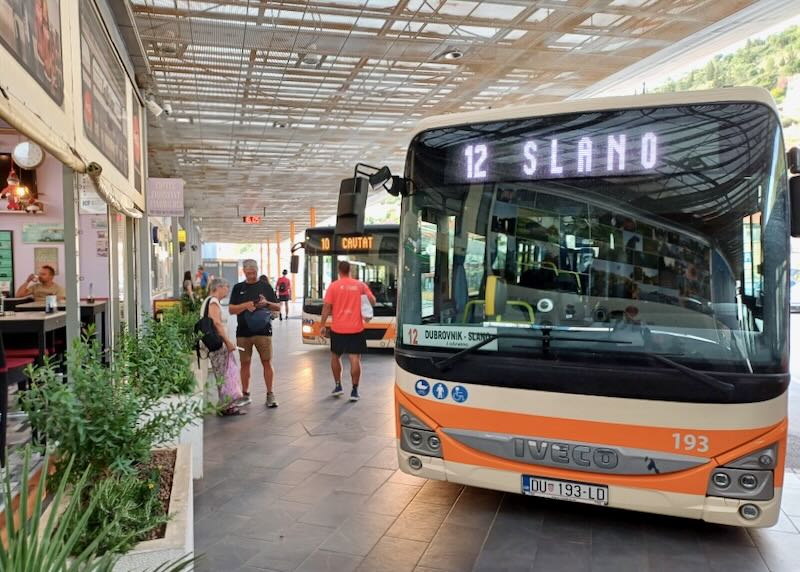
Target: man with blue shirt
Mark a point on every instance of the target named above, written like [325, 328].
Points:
[252, 302]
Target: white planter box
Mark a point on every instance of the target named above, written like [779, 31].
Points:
[178, 540]
[191, 435]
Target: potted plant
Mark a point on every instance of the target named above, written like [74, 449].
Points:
[48, 541]
[159, 361]
[105, 421]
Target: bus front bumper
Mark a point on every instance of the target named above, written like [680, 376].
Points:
[710, 509]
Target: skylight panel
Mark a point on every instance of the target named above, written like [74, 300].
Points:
[497, 11]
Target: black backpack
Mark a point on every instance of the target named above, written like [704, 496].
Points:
[282, 287]
[207, 333]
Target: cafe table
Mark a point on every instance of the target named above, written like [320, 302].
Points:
[91, 313]
[38, 323]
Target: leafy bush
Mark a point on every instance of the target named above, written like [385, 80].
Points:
[104, 421]
[51, 545]
[126, 508]
[158, 358]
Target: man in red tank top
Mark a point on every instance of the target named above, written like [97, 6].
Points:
[343, 303]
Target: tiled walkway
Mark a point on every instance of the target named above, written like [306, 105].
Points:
[314, 486]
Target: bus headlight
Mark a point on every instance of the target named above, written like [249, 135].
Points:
[417, 437]
[307, 329]
[749, 477]
[749, 511]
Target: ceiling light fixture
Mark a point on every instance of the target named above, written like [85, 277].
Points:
[453, 54]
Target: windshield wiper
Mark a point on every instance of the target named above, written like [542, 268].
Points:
[710, 381]
[545, 338]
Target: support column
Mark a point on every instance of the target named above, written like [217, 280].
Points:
[312, 217]
[176, 260]
[131, 294]
[71, 252]
[145, 250]
[278, 253]
[269, 259]
[291, 245]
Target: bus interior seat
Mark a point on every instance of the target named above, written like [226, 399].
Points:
[539, 278]
[568, 282]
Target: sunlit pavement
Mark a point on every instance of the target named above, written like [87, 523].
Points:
[313, 486]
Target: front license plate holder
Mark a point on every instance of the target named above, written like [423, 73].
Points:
[573, 491]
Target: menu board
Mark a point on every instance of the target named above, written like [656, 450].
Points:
[7, 262]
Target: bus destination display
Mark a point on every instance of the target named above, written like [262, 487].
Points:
[549, 158]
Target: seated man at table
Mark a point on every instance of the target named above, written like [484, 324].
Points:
[42, 285]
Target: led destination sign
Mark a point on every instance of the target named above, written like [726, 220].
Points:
[584, 156]
[349, 243]
[649, 142]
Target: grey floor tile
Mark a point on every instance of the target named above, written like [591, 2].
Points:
[273, 521]
[292, 548]
[255, 499]
[333, 509]
[562, 556]
[296, 472]
[476, 508]
[365, 480]
[214, 527]
[454, 548]
[231, 552]
[406, 479]
[419, 521]
[391, 499]
[313, 489]
[345, 464]
[325, 561]
[384, 459]
[566, 527]
[619, 547]
[359, 534]
[780, 551]
[393, 555]
[440, 492]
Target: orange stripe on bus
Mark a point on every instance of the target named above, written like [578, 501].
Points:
[724, 445]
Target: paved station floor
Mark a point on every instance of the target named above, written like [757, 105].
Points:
[313, 486]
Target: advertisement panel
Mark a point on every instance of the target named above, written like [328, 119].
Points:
[31, 31]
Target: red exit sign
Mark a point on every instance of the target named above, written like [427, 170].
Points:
[251, 219]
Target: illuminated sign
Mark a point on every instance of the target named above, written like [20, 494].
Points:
[585, 156]
[348, 243]
[355, 242]
[251, 219]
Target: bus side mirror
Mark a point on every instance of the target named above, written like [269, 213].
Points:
[793, 160]
[496, 297]
[294, 264]
[352, 205]
[794, 204]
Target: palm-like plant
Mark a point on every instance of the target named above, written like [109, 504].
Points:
[38, 544]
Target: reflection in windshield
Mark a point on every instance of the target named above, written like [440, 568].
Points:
[676, 262]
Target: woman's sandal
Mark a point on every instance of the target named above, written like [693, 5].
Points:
[230, 411]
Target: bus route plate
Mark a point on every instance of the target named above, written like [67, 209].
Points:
[564, 490]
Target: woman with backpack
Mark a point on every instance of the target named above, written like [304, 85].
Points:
[284, 292]
[222, 358]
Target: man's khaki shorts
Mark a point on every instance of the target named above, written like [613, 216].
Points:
[263, 345]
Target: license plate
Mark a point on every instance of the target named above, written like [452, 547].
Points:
[564, 490]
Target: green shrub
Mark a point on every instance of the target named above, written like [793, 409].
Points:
[100, 419]
[37, 544]
[158, 358]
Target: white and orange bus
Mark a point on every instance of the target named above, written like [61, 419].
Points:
[373, 259]
[594, 303]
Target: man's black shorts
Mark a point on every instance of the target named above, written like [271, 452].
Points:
[348, 343]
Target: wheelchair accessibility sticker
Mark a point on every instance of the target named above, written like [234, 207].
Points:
[460, 394]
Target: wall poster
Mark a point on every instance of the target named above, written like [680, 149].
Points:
[105, 102]
[31, 31]
[138, 178]
[42, 232]
[46, 256]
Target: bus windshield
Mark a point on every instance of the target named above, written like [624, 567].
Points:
[372, 257]
[601, 237]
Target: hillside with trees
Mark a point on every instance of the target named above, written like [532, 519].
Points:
[767, 63]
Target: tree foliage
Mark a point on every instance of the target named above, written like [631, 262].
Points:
[764, 63]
